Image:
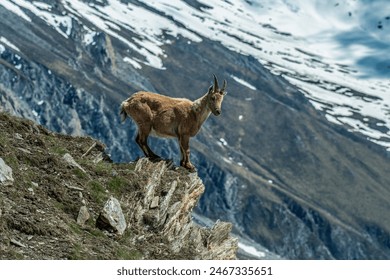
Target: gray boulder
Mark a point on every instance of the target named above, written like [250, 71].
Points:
[83, 216]
[5, 174]
[111, 218]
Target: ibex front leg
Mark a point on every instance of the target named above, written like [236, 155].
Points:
[184, 143]
[142, 141]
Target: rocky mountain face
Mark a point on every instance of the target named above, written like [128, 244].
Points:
[286, 178]
[62, 198]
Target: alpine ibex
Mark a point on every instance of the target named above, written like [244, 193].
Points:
[165, 116]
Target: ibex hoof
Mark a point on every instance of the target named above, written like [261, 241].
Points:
[189, 167]
[192, 170]
[155, 158]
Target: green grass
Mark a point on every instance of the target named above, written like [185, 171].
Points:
[93, 230]
[3, 140]
[58, 205]
[54, 146]
[11, 161]
[98, 192]
[103, 168]
[76, 253]
[124, 253]
[15, 256]
[75, 228]
[79, 174]
[117, 184]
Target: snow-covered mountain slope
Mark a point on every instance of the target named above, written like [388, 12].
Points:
[336, 52]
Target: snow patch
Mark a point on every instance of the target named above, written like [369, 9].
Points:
[88, 37]
[61, 23]
[14, 9]
[226, 160]
[244, 83]
[223, 141]
[8, 43]
[42, 6]
[134, 63]
[117, 16]
[251, 250]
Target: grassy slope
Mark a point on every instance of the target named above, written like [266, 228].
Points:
[40, 209]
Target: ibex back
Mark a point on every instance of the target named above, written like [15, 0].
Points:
[165, 116]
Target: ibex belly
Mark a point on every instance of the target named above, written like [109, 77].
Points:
[163, 134]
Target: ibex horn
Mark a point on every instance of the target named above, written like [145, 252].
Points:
[224, 85]
[215, 83]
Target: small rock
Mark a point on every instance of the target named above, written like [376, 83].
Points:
[34, 184]
[17, 243]
[98, 158]
[154, 203]
[83, 216]
[5, 174]
[141, 238]
[24, 151]
[219, 233]
[69, 159]
[18, 136]
[73, 188]
[111, 218]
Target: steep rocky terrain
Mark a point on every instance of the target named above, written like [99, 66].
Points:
[273, 165]
[62, 198]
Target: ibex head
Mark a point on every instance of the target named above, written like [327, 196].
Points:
[215, 97]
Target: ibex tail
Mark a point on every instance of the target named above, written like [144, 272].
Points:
[123, 112]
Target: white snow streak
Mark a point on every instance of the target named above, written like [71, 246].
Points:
[244, 83]
[8, 43]
[251, 250]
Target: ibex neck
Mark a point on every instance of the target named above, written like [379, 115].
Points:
[201, 109]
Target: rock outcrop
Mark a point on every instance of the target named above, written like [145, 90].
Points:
[177, 195]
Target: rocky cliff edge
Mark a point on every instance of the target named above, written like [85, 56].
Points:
[62, 198]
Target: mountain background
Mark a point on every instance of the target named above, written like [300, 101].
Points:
[299, 159]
